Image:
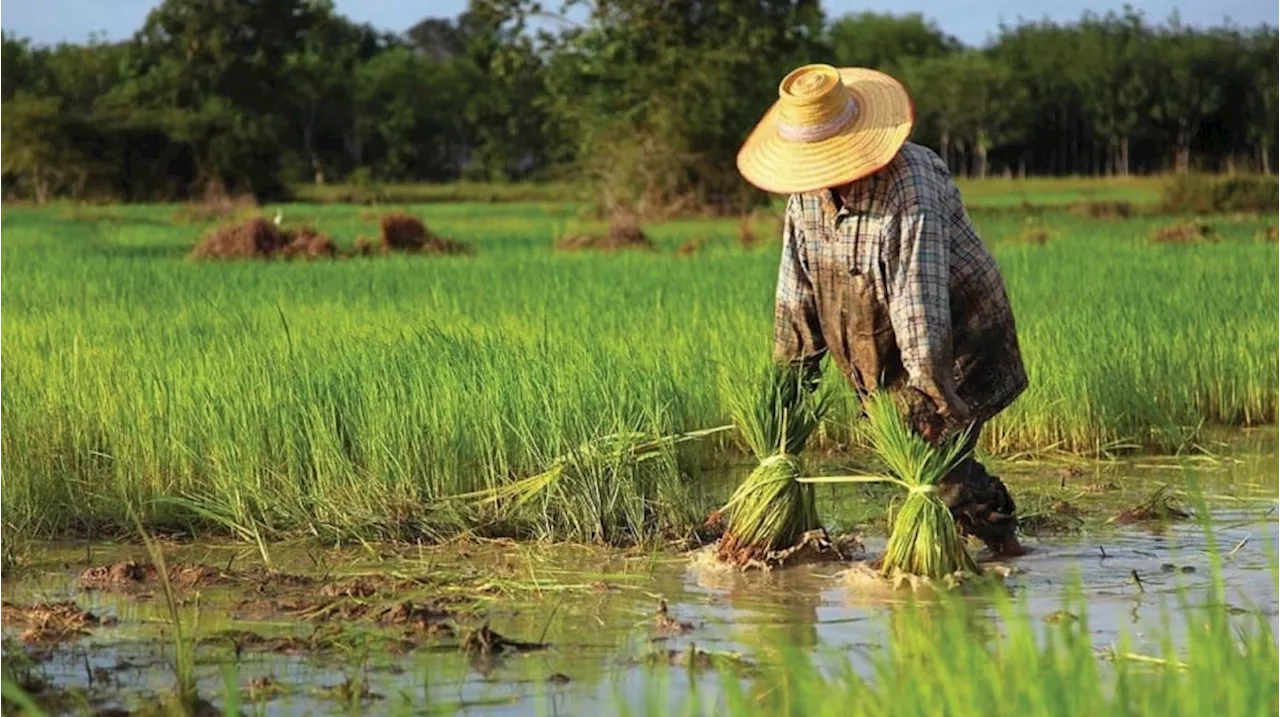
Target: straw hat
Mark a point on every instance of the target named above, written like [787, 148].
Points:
[829, 127]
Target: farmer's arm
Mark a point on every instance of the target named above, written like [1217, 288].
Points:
[919, 279]
[797, 335]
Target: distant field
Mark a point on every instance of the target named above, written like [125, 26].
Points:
[989, 192]
[348, 396]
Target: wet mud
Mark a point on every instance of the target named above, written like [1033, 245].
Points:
[491, 625]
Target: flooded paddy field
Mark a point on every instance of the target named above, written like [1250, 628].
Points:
[501, 627]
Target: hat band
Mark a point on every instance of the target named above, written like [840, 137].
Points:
[821, 130]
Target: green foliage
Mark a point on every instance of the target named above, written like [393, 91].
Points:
[1202, 194]
[776, 413]
[924, 540]
[660, 95]
[645, 103]
[403, 381]
[945, 658]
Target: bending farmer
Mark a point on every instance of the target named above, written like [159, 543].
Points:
[882, 270]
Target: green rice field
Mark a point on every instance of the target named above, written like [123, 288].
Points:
[360, 394]
[313, 445]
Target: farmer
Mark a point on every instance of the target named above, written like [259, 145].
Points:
[882, 271]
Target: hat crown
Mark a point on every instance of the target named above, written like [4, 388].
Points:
[813, 103]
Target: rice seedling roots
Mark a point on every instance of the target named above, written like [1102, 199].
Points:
[867, 580]
[813, 547]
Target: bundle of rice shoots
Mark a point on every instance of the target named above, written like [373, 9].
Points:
[924, 541]
[771, 509]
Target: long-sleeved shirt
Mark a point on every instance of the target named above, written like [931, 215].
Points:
[898, 288]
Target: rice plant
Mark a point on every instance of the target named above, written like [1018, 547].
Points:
[355, 398]
[771, 509]
[924, 540]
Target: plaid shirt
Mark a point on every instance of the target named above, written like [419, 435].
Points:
[898, 268]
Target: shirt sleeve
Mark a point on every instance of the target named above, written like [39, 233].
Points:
[797, 332]
[919, 279]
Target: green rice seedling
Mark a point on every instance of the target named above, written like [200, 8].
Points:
[771, 509]
[607, 490]
[13, 549]
[924, 540]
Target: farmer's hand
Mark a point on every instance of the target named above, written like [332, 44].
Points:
[941, 408]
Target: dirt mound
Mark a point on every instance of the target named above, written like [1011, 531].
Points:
[50, 622]
[258, 238]
[690, 248]
[485, 642]
[1161, 506]
[401, 232]
[620, 236]
[1191, 233]
[127, 575]
[309, 243]
[254, 238]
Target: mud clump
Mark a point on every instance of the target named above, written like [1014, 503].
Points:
[484, 642]
[309, 244]
[51, 622]
[815, 546]
[1192, 233]
[621, 235]
[404, 233]
[129, 575]
[1161, 506]
[254, 238]
[689, 248]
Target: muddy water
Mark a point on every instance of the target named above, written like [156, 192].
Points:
[595, 610]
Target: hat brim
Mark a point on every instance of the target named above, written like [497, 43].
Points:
[882, 123]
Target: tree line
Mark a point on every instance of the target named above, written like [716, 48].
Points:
[645, 102]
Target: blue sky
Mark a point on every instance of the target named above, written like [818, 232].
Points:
[973, 21]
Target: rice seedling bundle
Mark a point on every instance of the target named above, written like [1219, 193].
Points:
[772, 508]
[924, 540]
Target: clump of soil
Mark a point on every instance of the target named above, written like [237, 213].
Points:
[1160, 506]
[130, 575]
[668, 625]
[1190, 233]
[814, 546]
[363, 247]
[689, 248]
[485, 642]
[1104, 210]
[404, 233]
[254, 238]
[866, 579]
[696, 659]
[1059, 517]
[50, 622]
[621, 235]
[308, 243]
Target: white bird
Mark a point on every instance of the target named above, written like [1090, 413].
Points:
[279, 217]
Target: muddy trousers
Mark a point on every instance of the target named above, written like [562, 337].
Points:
[979, 501]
